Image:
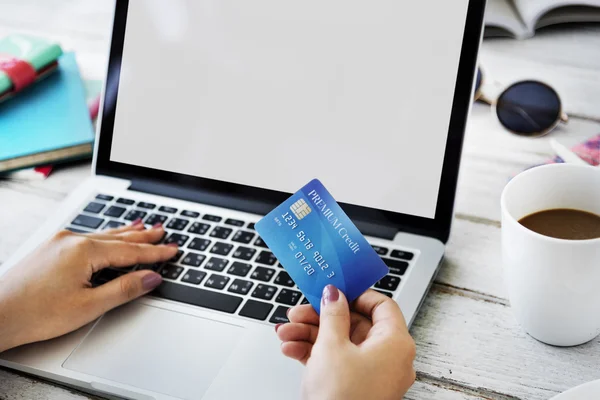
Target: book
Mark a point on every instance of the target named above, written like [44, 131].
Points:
[92, 93]
[521, 18]
[48, 123]
[24, 60]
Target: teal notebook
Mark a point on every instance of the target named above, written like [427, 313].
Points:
[47, 123]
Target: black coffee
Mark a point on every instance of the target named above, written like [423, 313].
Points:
[564, 223]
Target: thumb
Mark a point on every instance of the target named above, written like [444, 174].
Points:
[335, 316]
[124, 289]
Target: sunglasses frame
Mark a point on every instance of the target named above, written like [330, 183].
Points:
[479, 96]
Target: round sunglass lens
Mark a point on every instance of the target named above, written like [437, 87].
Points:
[528, 108]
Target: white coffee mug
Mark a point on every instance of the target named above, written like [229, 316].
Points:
[553, 284]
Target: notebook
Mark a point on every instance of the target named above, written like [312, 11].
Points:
[47, 123]
[93, 88]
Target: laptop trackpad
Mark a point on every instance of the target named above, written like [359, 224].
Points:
[157, 350]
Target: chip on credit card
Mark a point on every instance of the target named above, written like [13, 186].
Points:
[318, 245]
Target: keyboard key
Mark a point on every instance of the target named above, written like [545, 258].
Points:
[177, 238]
[132, 215]
[216, 264]
[213, 218]
[177, 256]
[239, 269]
[190, 214]
[199, 244]
[193, 259]
[244, 237]
[280, 315]
[75, 230]
[396, 267]
[193, 276]
[388, 282]
[264, 292]
[153, 267]
[251, 225]
[388, 294]
[171, 271]
[177, 224]
[199, 228]
[220, 232]
[94, 208]
[198, 297]
[111, 224]
[216, 281]
[284, 279]
[156, 219]
[104, 197]
[221, 248]
[266, 257]
[234, 222]
[107, 275]
[149, 206]
[87, 221]
[289, 297]
[125, 201]
[259, 242]
[169, 210]
[114, 211]
[256, 310]
[279, 265]
[244, 253]
[304, 301]
[263, 274]
[382, 251]
[240, 286]
[403, 255]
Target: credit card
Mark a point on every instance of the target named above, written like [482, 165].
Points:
[318, 245]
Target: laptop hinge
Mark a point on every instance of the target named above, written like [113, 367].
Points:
[238, 203]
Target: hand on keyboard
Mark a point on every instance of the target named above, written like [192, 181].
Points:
[364, 354]
[49, 292]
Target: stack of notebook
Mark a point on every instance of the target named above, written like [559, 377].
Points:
[44, 113]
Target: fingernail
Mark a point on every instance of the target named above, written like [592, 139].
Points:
[151, 281]
[172, 245]
[137, 222]
[330, 294]
[157, 225]
[277, 327]
[287, 312]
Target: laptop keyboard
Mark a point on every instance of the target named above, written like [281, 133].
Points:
[222, 264]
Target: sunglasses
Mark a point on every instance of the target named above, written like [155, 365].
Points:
[527, 108]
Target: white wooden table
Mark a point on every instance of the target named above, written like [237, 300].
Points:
[469, 345]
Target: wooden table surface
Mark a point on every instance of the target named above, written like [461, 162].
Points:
[468, 344]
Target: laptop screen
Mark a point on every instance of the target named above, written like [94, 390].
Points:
[271, 94]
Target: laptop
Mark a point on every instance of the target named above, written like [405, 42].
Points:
[215, 112]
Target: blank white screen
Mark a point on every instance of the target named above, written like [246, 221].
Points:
[273, 93]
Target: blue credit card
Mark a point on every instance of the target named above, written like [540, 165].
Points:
[318, 245]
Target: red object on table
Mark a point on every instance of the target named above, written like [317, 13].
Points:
[20, 72]
[44, 171]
